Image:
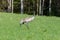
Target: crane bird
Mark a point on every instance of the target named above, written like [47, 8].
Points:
[26, 20]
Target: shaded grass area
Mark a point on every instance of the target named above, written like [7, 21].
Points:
[42, 28]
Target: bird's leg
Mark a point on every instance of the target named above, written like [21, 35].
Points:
[27, 25]
[20, 25]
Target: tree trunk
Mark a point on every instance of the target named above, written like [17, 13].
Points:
[40, 13]
[12, 6]
[49, 7]
[9, 6]
[21, 6]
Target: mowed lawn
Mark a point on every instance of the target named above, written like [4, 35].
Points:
[42, 28]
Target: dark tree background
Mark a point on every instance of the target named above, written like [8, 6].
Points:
[31, 6]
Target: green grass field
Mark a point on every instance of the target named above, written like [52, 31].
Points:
[42, 28]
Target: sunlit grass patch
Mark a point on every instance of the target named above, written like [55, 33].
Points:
[41, 28]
